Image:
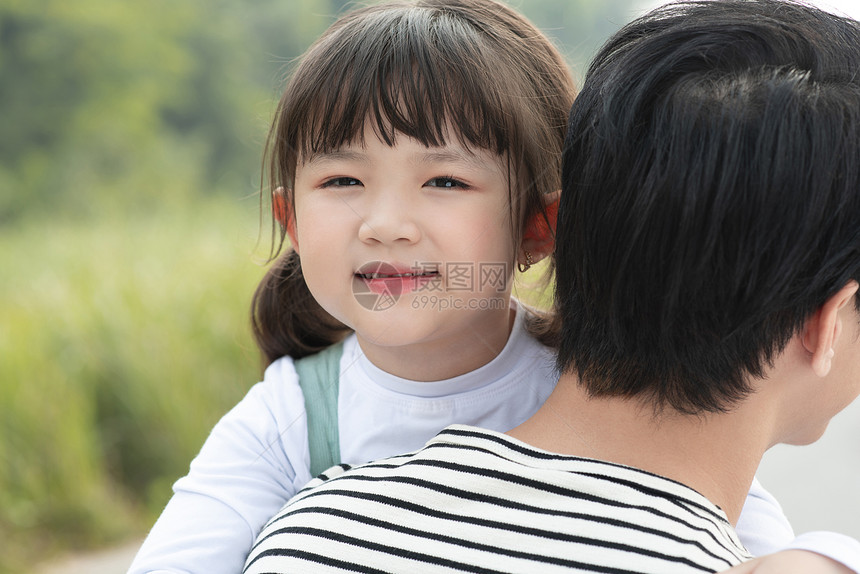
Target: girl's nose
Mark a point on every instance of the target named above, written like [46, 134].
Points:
[390, 218]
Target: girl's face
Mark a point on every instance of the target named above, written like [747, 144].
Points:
[411, 247]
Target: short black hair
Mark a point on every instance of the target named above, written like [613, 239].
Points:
[710, 198]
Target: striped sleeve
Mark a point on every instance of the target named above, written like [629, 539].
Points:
[476, 501]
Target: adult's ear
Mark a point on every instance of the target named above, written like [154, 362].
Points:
[539, 235]
[824, 328]
[284, 214]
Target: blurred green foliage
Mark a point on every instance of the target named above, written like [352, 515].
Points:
[122, 343]
[119, 101]
[130, 148]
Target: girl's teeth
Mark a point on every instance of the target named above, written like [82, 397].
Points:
[389, 276]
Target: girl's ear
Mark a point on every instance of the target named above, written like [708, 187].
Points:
[284, 215]
[539, 235]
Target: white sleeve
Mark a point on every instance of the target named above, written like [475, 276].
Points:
[764, 529]
[254, 460]
[762, 526]
[839, 547]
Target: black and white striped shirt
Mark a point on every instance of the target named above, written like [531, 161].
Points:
[478, 501]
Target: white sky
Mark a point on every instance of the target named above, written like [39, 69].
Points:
[844, 7]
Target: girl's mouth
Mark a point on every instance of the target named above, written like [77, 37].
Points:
[393, 279]
[396, 275]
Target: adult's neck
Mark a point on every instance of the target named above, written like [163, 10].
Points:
[714, 454]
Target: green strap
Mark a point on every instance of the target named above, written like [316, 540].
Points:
[319, 378]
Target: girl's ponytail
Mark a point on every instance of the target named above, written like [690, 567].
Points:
[286, 319]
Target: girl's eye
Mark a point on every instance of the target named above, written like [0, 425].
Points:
[341, 182]
[448, 182]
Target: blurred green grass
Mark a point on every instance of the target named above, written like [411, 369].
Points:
[123, 339]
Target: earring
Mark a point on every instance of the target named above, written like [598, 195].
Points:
[523, 267]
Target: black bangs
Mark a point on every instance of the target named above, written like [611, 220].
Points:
[417, 72]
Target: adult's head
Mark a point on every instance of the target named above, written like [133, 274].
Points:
[711, 198]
